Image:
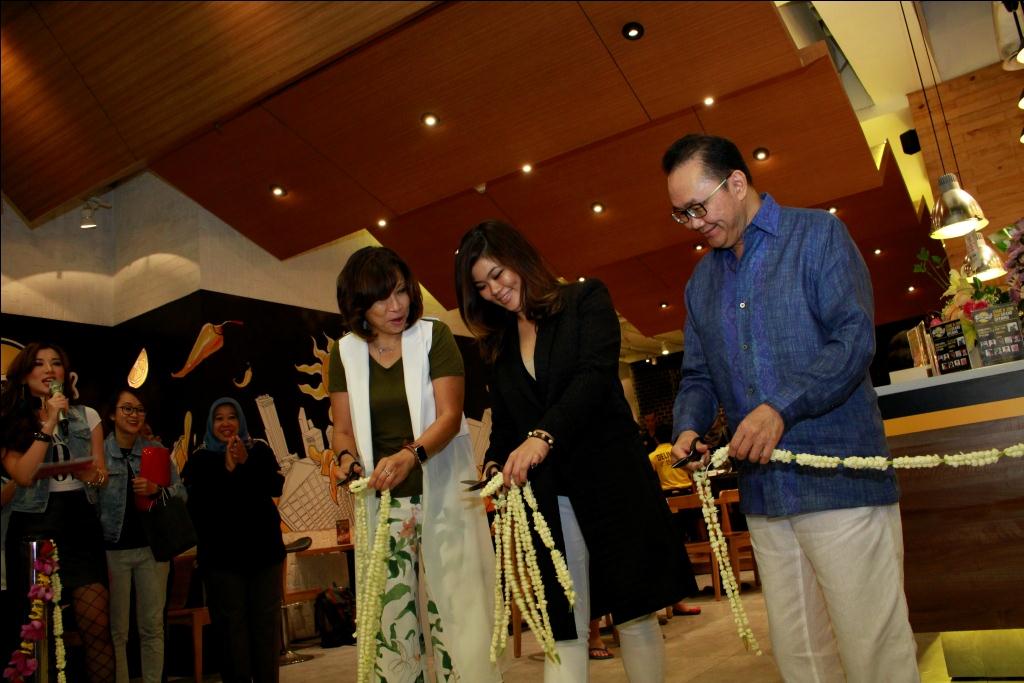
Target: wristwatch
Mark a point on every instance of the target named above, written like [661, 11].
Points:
[418, 450]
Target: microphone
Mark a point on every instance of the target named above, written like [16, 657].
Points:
[55, 389]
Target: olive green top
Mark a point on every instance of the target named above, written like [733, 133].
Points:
[390, 423]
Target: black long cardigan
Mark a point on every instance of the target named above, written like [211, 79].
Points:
[598, 461]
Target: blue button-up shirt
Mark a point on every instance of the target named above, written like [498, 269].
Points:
[789, 324]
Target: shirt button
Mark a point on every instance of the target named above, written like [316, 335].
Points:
[746, 347]
[743, 304]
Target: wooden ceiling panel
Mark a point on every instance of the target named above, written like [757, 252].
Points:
[637, 294]
[427, 239]
[164, 70]
[511, 83]
[57, 141]
[736, 44]
[804, 118]
[552, 205]
[230, 172]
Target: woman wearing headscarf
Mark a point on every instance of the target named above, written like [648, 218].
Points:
[232, 481]
[560, 419]
[397, 387]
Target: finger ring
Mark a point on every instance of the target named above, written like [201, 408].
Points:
[532, 465]
[387, 472]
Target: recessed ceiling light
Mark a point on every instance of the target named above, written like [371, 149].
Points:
[527, 168]
[832, 210]
[278, 191]
[429, 120]
[581, 279]
[877, 252]
[597, 207]
[634, 30]
[910, 288]
[382, 223]
[708, 101]
[1020, 102]
[663, 304]
[761, 153]
[699, 247]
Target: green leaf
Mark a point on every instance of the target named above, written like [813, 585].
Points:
[923, 254]
[393, 569]
[446, 661]
[937, 260]
[395, 593]
[919, 268]
[431, 607]
[411, 609]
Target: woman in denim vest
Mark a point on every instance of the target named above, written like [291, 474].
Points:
[129, 555]
[41, 427]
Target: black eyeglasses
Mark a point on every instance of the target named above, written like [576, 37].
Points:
[698, 210]
[132, 410]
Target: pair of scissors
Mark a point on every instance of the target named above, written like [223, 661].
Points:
[490, 469]
[692, 456]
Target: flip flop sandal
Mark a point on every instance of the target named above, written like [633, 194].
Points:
[600, 653]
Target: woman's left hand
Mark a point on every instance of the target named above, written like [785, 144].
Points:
[529, 454]
[237, 451]
[392, 470]
[144, 487]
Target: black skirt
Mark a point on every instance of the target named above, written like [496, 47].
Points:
[74, 525]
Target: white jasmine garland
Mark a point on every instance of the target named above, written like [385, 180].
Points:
[517, 574]
[371, 570]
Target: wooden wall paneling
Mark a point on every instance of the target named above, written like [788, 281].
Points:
[230, 171]
[163, 70]
[427, 239]
[694, 49]
[57, 140]
[511, 83]
[552, 205]
[804, 118]
[985, 125]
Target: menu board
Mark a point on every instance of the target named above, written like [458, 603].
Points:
[999, 334]
[950, 347]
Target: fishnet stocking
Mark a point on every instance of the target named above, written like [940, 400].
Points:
[92, 613]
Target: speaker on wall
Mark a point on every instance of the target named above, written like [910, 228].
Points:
[910, 142]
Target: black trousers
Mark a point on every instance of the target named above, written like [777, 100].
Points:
[245, 611]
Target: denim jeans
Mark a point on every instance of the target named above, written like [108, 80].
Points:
[150, 577]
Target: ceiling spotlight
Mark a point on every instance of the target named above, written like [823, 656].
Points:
[429, 120]
[708, 101]
[877, 252]
[634, 30]
[663, 304]
[761, 153]
[92, 205]
[527, 168]
[832, 210]
[699, 247]
[581, 279]
[664, 349]
[278, 191]
[382, 223]
[910, 288]
[1020, 102]
[597, 207]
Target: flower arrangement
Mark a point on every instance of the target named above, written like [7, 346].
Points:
[517, 574]
[371, 571]
[717, 539]
[46, 589]
[1015, 261]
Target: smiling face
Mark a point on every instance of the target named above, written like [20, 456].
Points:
[389, 316]
[498, 284]
[225, 422]
[723, 225]
[48, 367]
[126, 424]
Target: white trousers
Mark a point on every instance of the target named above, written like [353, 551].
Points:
[643, 649]
[833, 586]
[150, 577]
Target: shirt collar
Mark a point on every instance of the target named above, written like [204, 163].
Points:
[767, 217]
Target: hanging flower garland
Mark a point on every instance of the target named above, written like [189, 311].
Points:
[371, 572]
[517, 575]
[46, 589]
[717, 538]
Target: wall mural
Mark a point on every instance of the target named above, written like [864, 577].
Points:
[272, 358]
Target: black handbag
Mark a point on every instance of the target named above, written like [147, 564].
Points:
[168, 527]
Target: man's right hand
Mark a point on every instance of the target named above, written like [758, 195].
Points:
[681, 450]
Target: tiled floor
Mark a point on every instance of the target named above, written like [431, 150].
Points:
[701, 649]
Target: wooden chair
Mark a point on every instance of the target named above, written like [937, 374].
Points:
[738, 541]
[178, 613]
[700, 552]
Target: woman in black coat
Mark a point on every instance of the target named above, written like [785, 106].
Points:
[560, 418]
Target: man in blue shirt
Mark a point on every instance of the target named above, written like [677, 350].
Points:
[780, 333]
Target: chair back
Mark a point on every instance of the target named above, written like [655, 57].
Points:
[688, 502]
[181, 582]
[727, 497]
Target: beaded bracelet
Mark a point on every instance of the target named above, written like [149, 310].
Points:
[543, 436]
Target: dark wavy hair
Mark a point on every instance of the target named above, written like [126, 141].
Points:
[719, 156]
[541, 292]
[369, 276]
[17, 407]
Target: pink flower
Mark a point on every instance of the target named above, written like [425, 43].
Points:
[38, 592]
[46, 566]
[22, 664]
[33, 630]
[408, 528]
[971, 306]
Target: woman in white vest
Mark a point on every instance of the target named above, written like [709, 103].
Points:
[397, 387]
